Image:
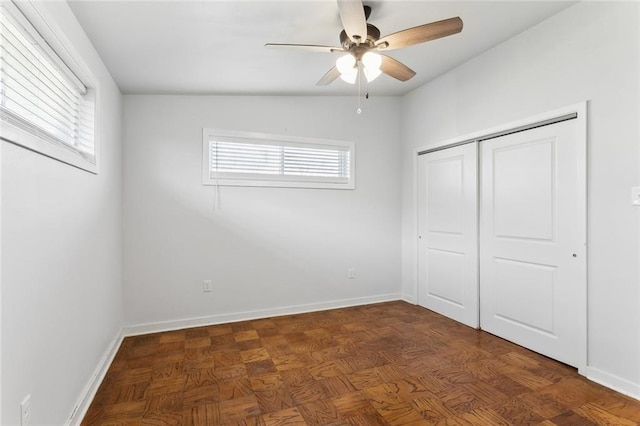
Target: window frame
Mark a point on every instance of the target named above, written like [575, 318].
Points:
[278, 181]
[37, 23]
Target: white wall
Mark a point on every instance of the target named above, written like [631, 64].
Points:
[61, 259]
[587, 52]
[267, 250]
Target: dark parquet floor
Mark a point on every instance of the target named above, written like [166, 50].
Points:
[383, 364]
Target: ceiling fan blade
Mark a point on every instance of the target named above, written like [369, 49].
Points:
[307, 47]
[328, 78]
[353, 19]
[396, 69]
[420, 34]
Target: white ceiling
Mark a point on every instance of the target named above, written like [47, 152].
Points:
[217, 47]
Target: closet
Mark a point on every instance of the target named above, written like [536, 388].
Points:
[502, 233]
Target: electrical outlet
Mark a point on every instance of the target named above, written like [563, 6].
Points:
[206, 286]
[351, 273]
[635, 196]
[25, 411]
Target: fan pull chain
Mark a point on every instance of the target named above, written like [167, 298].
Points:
[359, 110]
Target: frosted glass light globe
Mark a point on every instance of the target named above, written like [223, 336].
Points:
[346, 65]
[371, 62]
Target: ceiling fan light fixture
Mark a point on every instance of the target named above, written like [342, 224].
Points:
[350, 76]
[346, 63]
[372, 62]
[371, 73]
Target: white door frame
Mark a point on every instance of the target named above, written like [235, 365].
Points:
[580, 109]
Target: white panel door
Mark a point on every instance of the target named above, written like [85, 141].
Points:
[448, 233]
[532, 289]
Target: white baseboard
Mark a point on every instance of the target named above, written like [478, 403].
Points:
[616, 383]
[155, 327]
[409, 298]
[90, 389]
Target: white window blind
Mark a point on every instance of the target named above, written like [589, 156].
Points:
[270, 160]
[39, 94]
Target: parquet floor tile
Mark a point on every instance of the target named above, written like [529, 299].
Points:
[384, 364]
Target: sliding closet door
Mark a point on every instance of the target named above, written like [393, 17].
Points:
[532, 289]
[448, 233]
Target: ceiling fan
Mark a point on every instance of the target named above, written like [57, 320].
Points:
[360, 42]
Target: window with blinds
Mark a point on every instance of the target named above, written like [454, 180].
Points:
[43, 104]
[233, 158]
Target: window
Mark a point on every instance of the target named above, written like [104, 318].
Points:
[252, 159]
[44, 106]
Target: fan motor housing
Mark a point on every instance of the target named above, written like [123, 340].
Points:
[373, 35]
